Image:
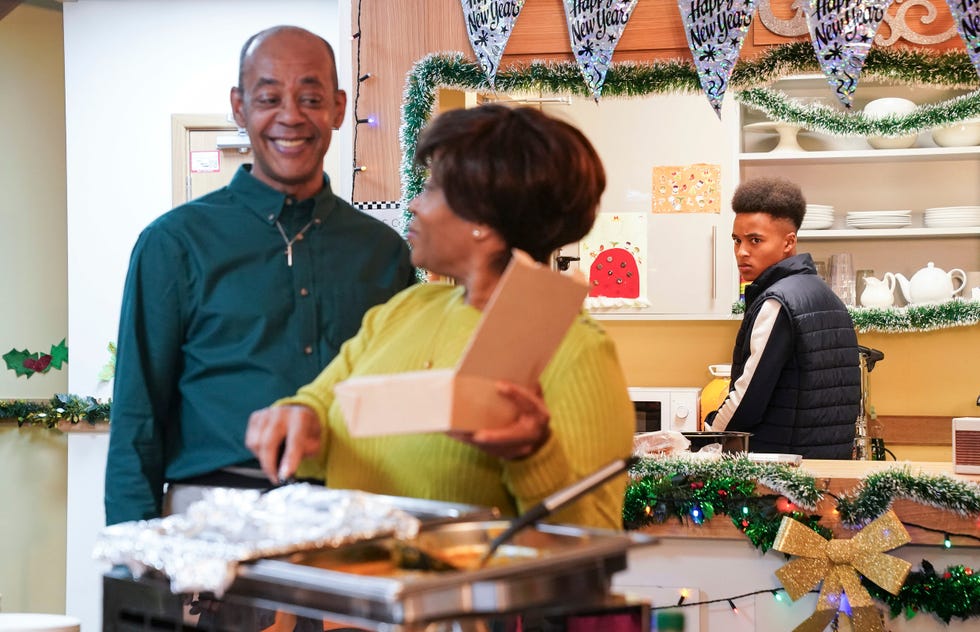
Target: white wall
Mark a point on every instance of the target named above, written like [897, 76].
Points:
[33, 281]
[129, 65]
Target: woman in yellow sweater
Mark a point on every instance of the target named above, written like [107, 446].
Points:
[499, 178]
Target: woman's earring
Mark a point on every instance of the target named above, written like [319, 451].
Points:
[477, 233]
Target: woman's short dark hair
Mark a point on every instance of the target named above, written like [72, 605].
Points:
[778, 197]
[534, 179]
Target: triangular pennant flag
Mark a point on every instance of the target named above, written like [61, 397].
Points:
[715, 31]
[594, 27]
[842, 32]
[966, 14]
[489, 24]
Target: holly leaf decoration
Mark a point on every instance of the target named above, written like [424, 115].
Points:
[59, 354]
[15, 361]
[28, 363]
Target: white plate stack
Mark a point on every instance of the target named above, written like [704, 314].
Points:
[818, 217]
[879, 219]
[951, 217]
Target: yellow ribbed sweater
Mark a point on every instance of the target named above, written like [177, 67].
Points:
[592, 418]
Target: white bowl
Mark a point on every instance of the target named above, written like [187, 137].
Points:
[963, 134]
[890, 106]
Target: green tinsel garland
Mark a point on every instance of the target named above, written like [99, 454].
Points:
[822, 118]
[899, 320]
[951, 69]
[696, 490]
[952, 313]
[61, 407]
[875, 494]
[955, 593]
[790, 482]
[871, 498]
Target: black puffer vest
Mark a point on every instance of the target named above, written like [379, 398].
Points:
[817, 399]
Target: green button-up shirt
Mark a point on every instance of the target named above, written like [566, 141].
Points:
[215, 325]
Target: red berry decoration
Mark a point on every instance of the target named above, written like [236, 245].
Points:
[968, 571]
[38, 365]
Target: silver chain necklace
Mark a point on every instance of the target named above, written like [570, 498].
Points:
[289, 242]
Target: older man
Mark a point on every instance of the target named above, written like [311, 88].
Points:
[240, 297]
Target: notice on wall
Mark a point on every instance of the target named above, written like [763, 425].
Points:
[205, 161]
[687, 189]
[614, 255]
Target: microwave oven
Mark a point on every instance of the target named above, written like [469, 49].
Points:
[666, 408]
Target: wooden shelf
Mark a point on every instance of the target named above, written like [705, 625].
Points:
[888, 233]
[918, 154]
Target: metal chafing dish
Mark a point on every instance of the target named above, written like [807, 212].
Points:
[543, 566]
[546, 570]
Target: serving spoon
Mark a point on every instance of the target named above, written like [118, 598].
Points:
[556, 501]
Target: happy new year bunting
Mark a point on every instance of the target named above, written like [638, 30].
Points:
[842, 32]
[489, 24]
[595, 27]
[966, 14]
[715, 31]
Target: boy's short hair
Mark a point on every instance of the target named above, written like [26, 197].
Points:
[777, 197]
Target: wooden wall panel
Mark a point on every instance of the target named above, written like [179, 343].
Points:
[542, 29]
[393, 36]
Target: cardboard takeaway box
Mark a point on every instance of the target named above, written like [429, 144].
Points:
[524, 321]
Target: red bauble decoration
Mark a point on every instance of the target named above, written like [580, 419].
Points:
[785, 505]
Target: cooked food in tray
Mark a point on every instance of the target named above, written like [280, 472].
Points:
[405, 558]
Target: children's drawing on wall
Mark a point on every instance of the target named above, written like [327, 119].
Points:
[614, 256]
[687, 189]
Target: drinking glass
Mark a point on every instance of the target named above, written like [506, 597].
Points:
[821, 267]
[842, 277]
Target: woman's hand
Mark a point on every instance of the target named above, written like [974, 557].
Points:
[294, 428]
[530, 430]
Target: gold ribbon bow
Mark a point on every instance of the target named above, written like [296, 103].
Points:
[837, 563]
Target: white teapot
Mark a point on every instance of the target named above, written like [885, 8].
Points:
[879, 292]
[930, 285]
